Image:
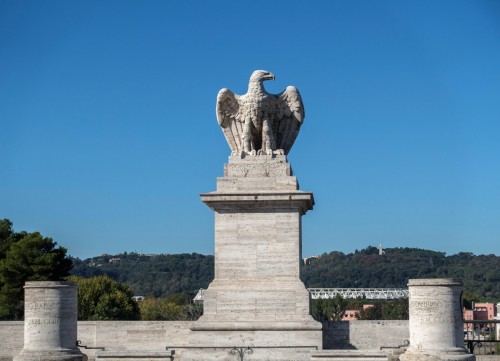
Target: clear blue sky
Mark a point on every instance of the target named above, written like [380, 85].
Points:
[108, 131]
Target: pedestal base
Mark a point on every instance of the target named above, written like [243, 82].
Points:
[268, 302]
[457, 354]
[254, 354]
[277, 341]
[50, 355]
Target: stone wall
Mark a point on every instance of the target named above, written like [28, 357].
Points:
[364, 335]
[113, 335]
[11, 339]
[156, 335]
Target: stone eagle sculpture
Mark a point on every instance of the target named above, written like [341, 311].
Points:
[259, 122]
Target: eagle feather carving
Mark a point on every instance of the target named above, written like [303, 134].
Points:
[259, 122]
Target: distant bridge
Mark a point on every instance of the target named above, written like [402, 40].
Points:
[325, 293]
[368, 293]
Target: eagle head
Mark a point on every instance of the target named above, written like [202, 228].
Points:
[261, 75]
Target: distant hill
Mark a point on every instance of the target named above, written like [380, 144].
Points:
[159, 275]
[155, 275]
[366, 268]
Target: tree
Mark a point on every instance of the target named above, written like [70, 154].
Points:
[395, 310]
[366, 268]
[156, 309]
[371, 313]
[28, 257]
[173, 307]
[102, 298]
[7, 236]
[469, 298]
[329, 309]
[157, 275]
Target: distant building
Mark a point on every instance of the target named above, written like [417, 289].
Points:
[481, 312]
[468, 315]
[307, 260]
[115, 260]
[138, 298]
[497, 317]
[484, 311]
[352, 315]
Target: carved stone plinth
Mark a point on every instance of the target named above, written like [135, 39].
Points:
[50, 322]
[436, 321]
[257, 297]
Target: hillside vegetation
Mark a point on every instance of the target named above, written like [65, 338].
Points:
[366, 268]
[159, 275]
[152, 275]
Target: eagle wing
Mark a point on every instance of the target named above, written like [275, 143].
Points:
[289, 116]
[229, 111]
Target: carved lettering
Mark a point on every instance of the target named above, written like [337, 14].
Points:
[422, 320]
[426, 305]
[43, 321]
[50, 306]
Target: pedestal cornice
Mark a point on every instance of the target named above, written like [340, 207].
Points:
[217, 201]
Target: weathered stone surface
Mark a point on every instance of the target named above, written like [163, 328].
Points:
[11, 339]
[350, 355]
[436, 321]
[264, 166]
[135, 337]
[137, 355]
[50, 327]
[256, 353]
[365, 335]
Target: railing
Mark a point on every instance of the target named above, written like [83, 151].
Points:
[79, 345]
[482, 337]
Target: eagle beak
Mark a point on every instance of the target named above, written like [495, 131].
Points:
[270, 76]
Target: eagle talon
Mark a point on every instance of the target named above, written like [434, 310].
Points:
[239, 153]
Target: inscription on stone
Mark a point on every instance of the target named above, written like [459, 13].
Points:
[50, 326]
[424, 320]
[43, 321]
[435, 321]
[37, 305]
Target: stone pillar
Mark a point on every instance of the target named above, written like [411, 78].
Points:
[257, 298]
[436, 321]
[50, 322]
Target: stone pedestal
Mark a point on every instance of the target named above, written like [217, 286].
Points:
[436, 321]
[50, 322]
[257, 298]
